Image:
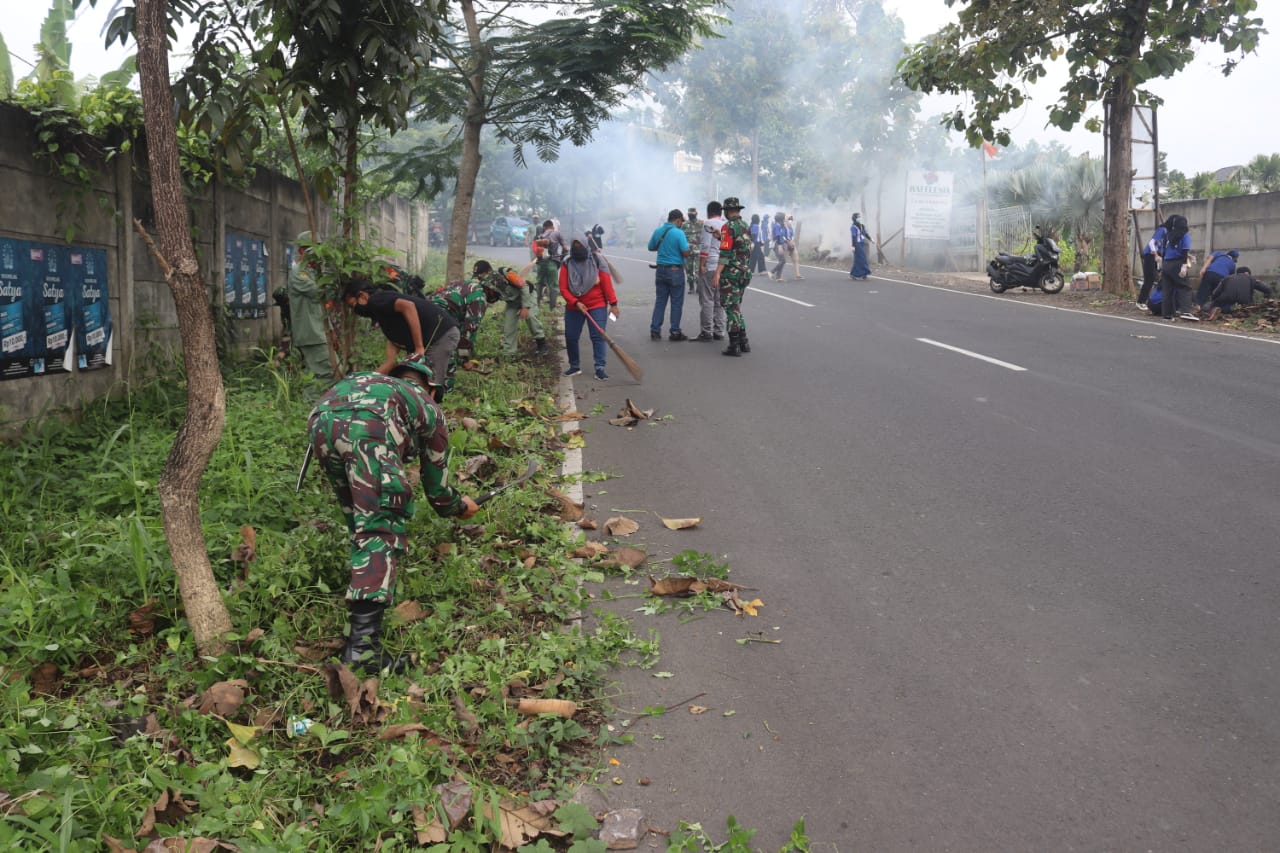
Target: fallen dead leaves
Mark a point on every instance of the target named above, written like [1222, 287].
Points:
[630, 415]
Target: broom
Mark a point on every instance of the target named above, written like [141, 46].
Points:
[627, 361]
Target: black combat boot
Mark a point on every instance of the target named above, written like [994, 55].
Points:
[743, 345]
[364, 644]
[542, 345]
[734, 349]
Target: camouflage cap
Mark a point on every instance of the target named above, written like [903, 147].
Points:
[732, 203]
[417, 364]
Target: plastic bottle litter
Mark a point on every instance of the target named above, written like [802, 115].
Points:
[298, 726]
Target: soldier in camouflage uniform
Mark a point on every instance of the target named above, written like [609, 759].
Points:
[466, 303]
[733, 274]
[692, 229]
[521, 305]
[365, 433]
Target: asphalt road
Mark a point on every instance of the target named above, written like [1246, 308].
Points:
[1024, 603]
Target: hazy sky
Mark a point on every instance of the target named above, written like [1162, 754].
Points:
[1200, 103]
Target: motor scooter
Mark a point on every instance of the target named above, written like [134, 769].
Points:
[1039, 270]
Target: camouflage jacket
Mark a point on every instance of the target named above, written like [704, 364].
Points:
[519, 295]
[397, 413]
[464, 301]
[692, 232]
[735, 245]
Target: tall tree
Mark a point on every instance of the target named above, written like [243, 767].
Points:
[537, 84]
[202, 423]
[1111, 47]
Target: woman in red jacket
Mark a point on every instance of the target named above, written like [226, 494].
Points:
[587, 288]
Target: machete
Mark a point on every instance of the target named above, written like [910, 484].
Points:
[497, 490]
[302, 472]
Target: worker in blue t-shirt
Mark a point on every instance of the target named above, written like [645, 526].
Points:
[1216, 267]
[1150, 267]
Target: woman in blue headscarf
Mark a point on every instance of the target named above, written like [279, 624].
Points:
[858, 235]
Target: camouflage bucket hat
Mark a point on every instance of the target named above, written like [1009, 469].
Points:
[731, 203]
[416, 363]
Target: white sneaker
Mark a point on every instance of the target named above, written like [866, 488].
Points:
[1187, 315]
[1142, 306]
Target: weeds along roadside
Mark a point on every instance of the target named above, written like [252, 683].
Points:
[106, 723]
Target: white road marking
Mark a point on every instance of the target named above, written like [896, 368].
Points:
[755, 289]
[976, 355]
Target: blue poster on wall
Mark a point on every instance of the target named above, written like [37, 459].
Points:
[245, 276]
[49, 269]
[92, 308]
[19, 319]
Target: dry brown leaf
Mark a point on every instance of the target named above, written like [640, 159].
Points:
[698, 709]
[562, 707]
[223, 698]
[571, 415]
[620, 525]
[630, 557]
[588, 524]
[410, 611]
[362, 699]
[477, 467]
[589, 549]
[247, 551]
[717, 585]
[177, 844]
[469, 722]
[519, 825]
[142, 621]
[445, 549]
[470, 424]
[636, 412]
[399, 730]
[530, 562]
[169, 808]
[456, 798]
[674, 585]
[570, 510]
[546, 808]
[496, 443]
[318, 650]
[428, 833]
[46, 678]
[680, 523]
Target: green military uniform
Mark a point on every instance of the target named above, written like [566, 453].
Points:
[735, 257]
[306, 308]
[365, 432]
[692, 229]
[515, 297]
[465, 302]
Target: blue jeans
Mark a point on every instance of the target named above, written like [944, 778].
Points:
[573, 323]
[668, 284]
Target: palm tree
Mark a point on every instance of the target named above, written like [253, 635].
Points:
[1263, 173]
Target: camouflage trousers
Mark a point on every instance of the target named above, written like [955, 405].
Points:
[733, 286]
[375, 494]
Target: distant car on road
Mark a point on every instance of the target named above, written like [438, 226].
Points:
[508, 230]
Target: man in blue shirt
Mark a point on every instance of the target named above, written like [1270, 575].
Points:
[672, 246]
[1216, 267]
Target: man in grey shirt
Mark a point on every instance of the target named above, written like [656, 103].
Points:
[712, 313]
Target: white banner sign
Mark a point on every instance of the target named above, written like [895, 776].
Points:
[928, 205]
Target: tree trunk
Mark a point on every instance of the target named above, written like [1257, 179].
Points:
[469, 161]
[179, 486]
[1115, 226]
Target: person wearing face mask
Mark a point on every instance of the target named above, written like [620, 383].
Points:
[410, 323]
[587, 289]
[858, 234]
[506, 285]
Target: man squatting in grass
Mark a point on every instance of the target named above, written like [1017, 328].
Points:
[466, 303]
[365, 433]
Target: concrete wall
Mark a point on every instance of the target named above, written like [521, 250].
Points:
[1249, 223]
[145, 322]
